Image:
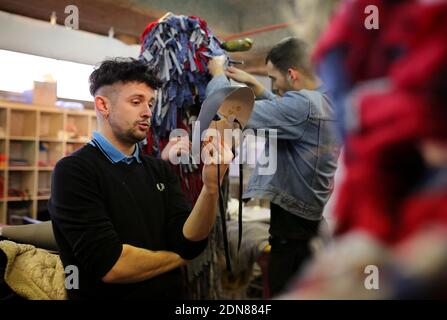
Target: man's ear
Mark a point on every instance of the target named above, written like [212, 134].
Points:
[293, 74]
[102, 104]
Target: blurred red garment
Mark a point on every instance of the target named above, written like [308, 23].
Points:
[385, 168]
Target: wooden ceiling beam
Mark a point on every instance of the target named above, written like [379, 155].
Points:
[94, 16]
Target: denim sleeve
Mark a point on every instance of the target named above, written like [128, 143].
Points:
[222, 81]
[288, 114]
[217, 83]
[266, 94]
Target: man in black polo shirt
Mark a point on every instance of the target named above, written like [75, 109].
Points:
[118, 216]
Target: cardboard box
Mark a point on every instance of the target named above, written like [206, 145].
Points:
[45, 93]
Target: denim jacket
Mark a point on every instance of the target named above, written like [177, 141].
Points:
[307, 149]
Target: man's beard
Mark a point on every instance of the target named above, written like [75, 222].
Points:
[134, 135]
[131, 135]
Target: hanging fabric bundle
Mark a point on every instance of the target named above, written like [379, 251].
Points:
[179, 47]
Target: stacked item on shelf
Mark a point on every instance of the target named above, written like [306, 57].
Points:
[44, 159]
[17, 157]
[44, 184]
[3, 160]
[2, 186]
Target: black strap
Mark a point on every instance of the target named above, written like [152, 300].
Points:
[223, 211]
[223, 219]
[241, 186]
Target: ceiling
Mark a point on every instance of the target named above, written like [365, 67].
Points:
[265, 21]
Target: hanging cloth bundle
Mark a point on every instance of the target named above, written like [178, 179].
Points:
[226, 108]
[179, 47]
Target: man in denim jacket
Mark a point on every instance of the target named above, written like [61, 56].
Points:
[307, 151]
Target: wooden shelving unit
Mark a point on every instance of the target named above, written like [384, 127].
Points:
[32, 139]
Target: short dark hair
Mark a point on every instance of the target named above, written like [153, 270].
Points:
[291, 52]
[122, 70]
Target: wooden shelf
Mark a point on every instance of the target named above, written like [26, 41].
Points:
[91, 113]
[18, 168]
[78, 140]
[42, 198]
[45, 168]
[15, 199]
[47, 139]
[19, 138]
[36, 134]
